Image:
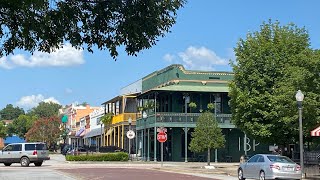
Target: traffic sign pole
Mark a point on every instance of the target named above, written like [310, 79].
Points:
[162, 154]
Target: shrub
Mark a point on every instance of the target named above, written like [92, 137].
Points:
[118, 156]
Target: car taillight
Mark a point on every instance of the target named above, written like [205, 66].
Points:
[274, 166]
[298, 168]
[35, 152]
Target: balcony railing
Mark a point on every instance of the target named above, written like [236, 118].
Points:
[168, 117]
[123, 118]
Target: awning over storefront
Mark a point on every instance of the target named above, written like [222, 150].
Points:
[316, 132]
[94, 132]
[80, 131]
[84, 132]
[198, 88]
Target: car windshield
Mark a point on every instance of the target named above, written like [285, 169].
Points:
[280, 159]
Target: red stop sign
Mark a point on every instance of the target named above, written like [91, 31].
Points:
[162, 137]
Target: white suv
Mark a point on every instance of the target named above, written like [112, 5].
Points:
[24, 153]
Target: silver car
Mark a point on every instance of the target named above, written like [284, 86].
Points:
[269, 166]
[24, 153]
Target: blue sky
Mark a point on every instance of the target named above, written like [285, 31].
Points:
[202, 39]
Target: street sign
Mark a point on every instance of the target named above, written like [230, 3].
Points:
[161, 129]
[131, 134]
[162, 137]
[64, 119]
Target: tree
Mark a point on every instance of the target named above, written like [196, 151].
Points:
[10, 112]
[45, 130]
[3, 130]
[271, 65]
[21, 125]
[46, 110]
[45, 25]
[207, 135]
[107, 119]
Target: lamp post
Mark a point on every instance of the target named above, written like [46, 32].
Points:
[144, 116]
[299, 98]
[129, 121]
[101, 134]
[186, 101]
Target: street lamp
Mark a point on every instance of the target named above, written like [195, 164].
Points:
[129, 121]
[101, 140]
[299, 98]
[144, 116]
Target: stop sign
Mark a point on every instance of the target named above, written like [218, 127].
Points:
[162, 137]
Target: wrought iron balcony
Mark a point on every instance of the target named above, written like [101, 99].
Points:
[170, 117]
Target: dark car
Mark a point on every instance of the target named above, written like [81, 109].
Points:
[65, 149]
[105, 149]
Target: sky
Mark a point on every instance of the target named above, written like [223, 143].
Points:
[203, 38]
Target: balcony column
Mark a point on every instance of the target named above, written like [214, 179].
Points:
[186, 100]
[148, 159]
[155, 129]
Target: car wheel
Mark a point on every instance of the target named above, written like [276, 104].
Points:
[24, 161]
[240, 174]
[7, 164]
[38, 163]
[262, 175]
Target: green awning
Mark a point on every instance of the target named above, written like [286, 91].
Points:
[200, 88]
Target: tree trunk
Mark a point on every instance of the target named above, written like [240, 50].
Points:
[208, 159]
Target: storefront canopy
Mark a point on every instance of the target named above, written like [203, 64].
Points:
[94, 132]
[316, 132]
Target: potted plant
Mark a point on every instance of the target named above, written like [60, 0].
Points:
[192, 105]
[210, 106]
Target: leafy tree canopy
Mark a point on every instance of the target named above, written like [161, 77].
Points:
[271, 65]
[3, 130]
[45, 130]
[10, 112]
[207, 135]
[45, 25]
[21, 125]
[46, 109]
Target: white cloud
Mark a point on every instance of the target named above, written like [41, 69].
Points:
[195, 58]
[63, 57]
[4, 63]
[169, 57]
[201, 58]
[29, 102]
[68, 90]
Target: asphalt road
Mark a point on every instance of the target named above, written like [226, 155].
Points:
[58, 169]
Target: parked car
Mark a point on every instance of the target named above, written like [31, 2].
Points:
[269, 166]
[105, 149]
[77, 151]
[65, 149]
[24, 153]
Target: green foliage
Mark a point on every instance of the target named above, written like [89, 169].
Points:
[46, 110]
[45, 25]
[192, 105]
[207, 134]
[3, 130]
[107, 119]
[118, 156]
[45, 130]
[210, 106]
[10, 112]
[21, 125]
[271, 66]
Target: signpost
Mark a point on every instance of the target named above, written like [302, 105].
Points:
[162, 137]
[130, 135]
